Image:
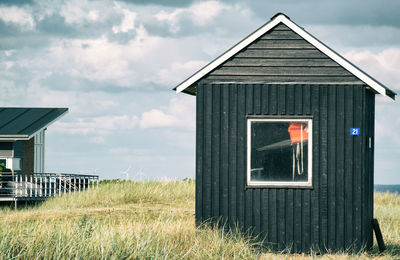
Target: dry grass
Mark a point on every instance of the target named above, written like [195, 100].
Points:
[146, 220]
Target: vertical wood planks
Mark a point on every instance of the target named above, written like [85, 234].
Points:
[273, 99]
[249, 220]
[323, 160]
[281, 218]
[332, 167]
[241, 154]
[335, 212]
[272, 225]
[207, 202]
[199, 153]
[265, 198]
[371, 165]
[298, 193]
[282, 99]
[357, 143]
[348, 180]
[340, 147]
[256, 192]
[216, 150]
[233, 114]
[224, 183]
[315, 210]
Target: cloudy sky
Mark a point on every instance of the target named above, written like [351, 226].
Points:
[114, 63]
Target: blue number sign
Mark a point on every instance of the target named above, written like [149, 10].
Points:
[354, 131]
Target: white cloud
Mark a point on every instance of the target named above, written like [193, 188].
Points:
[199, 13]
[203, 12]
[78, 11]
[8, 53]
[10, 91]
[128, 22]
[384, 65]
[100, 126]
[177, 69]
[180, 113]
[157, 118]
[17, 16]
[143, 60]
[9, 64]
[93, 15]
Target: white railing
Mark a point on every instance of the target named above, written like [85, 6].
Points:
[42, 185]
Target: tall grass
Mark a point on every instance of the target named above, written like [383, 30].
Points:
[145, 220]
[126, 220]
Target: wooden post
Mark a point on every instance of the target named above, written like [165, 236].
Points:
[45, 186]
[59, 186]
[40, 185]
[31, 184]
[17, 185]
[26, 186]
[50, 188]
[36, 186]
[378, 235]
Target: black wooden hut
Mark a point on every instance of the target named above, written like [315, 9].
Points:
[285, 140]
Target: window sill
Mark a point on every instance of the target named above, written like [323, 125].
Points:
[279, 186]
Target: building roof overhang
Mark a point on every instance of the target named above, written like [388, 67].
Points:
[186, 86]
[19, 123]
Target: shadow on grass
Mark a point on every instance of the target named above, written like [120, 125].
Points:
[393, 250]
[20, 204]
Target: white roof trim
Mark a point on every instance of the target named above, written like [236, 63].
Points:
[281, 18]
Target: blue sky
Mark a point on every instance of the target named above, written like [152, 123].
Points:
[114, 63]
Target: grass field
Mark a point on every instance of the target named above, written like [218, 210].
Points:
[146, 220]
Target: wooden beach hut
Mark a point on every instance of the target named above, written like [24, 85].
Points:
[285, 141]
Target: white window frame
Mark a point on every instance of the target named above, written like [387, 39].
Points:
[12, 163]
[280, 184]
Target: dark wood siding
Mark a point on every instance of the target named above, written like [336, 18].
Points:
[337, 212]
[280, 56]
[29, 156]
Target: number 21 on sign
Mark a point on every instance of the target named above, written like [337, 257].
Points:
[354, 131]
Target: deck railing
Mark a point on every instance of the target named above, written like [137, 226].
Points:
[23, 186]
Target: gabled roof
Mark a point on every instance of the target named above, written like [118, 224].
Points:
[281, 18]
[17, 123]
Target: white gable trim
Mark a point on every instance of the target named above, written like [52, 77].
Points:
[221, 59]
[281, 18]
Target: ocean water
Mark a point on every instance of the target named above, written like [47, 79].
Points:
[387, 188]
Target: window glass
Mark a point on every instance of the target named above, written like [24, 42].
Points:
[279, 151]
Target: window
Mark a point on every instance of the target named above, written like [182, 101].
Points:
[279, 152]
[11, 164]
